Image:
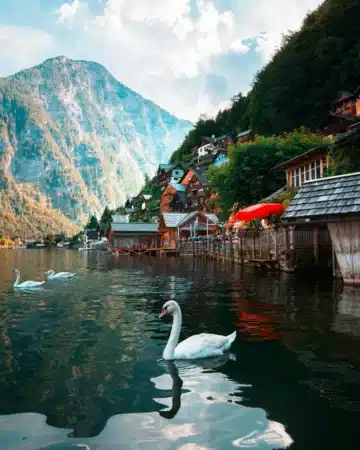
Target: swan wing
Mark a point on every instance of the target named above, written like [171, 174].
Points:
[30, 284]
[201, 346]
[64, 275]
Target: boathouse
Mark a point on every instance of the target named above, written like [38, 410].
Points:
[175, 226]
[133, 236]
[334, 203]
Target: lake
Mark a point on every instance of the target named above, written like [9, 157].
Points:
[81, 360]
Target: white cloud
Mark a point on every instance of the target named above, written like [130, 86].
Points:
[68, 11]
[151, 46]
[23, 47]
[239, 47]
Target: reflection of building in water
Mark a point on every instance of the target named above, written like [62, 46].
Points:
[347, 318]
[260, 321]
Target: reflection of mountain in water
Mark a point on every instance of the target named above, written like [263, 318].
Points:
[208, 410]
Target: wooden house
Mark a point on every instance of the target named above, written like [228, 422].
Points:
[345, 111]
[133, 235]
[175, 226]
[197, 190]
[306, 167]
[172, 198]
[332, 203]
[169, 173]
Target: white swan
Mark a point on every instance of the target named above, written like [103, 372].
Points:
[25, 284]
[51, 275]
[198, 346]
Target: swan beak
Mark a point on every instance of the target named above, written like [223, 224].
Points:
[162, 314]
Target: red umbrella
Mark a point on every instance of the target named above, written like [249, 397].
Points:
[232, 218]
[260, 211]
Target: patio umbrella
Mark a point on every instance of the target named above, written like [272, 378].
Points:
[260, 211]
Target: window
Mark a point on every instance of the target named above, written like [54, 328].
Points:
[303, 174]
[313, 170]
[295, 178]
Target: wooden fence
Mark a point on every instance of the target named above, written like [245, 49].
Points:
[269, 248]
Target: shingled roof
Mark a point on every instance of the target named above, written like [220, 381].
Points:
[331, 196]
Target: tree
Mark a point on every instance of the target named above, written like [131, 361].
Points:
[106, 217]
[92, 224]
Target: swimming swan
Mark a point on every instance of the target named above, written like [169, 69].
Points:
[25, 284]
[51, 275]
[198, 346]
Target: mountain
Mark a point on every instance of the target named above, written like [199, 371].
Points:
[73, 139]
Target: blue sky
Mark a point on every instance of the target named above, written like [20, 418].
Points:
[188, 56]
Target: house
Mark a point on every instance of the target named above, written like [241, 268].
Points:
[169, 173]
[345, 111]
[172, 198]
[174, 226]
[244, 136]
[305, 167]
[332, 203]
[133, 235]
[221, 158]
[197, 189]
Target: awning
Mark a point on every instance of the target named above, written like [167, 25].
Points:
[260, 211]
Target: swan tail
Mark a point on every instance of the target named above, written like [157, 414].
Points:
[231, 338]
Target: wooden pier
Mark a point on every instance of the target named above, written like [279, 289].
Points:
[160, 251]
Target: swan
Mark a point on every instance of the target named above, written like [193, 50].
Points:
[58, 276]
[198, 346]
[25, 284]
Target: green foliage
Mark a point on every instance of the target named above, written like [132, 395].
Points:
[298, 86]
[249, 177]
[153, 206]
[106, 217]
[92, 223]
[344, 160]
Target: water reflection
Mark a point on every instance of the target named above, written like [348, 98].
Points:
[84, 356]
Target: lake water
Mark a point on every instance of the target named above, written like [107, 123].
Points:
[80, 361]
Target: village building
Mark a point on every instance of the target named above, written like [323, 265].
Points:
[333, 204]
[172, 198]
[308, 166]
[169, 173]
[345, 111]
[123, 236]
[175, 226]
[221, 158]
[244, 136]
[197, 189]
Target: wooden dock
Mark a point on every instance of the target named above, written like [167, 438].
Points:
[161, 251]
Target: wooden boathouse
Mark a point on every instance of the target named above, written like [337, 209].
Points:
[134, 238]
[332, 203]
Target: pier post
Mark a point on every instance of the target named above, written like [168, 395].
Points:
[231, 249]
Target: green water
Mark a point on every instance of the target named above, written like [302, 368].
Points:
[80, 360]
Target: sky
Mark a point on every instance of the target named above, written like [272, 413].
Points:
[188, 56]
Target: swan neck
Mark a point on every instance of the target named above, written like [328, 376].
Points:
[17, 281]
[174, 335]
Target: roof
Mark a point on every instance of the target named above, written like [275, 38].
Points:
[351, 135]
[166, 166]
[329, 196]
[134, 227]
[244, 133]
[174, 220]
[304, 156]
